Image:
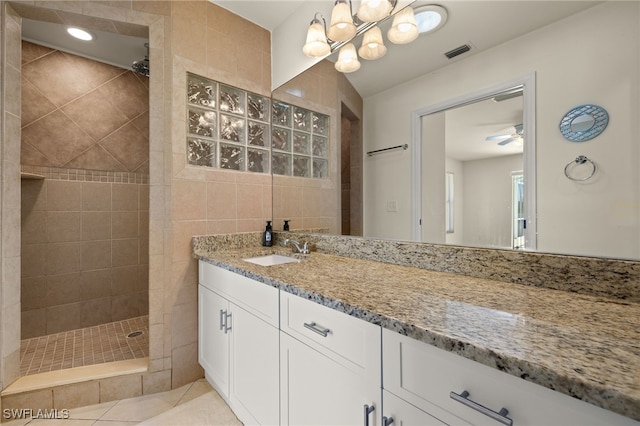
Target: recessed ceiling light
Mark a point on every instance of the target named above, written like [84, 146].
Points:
[430, 17]
[80, 34]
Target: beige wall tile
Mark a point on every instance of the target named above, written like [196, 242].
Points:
[63, 317]
[96, 254]
[76, 395]
[250, 202]
[189, 200]
[221, 226]
[96, 196]
[34, 227]
[221, 201]
[125, 197]
[64, 195]
[63, 226]
[182, 234]
[32, 291]
[124, 252]
[120, 387]
[185, 365]
[94, 312]
[63, 289]
[96, 225]
[62, 258]
[95, 284]
[159, 381]
[125, 280]
[124, 224]
[184, 327]
[33, 195]
[33, 323]
[42, 399]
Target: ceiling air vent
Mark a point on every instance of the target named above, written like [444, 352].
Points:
[457, 51]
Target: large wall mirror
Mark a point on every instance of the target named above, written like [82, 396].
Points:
[571, 65]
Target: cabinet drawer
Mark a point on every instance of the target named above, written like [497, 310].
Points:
[425, 375]
[258, 298]
[354, 341]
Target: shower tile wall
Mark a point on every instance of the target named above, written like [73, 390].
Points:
[85, 127]
[82, 114]
[84, 253]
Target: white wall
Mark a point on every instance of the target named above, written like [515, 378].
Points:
[591, 57]
[487, 200]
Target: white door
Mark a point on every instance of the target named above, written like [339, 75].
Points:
[255, 377]
[213, 341]
[316, 390]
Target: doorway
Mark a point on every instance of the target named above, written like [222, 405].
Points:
[475, 142]
[84, 211]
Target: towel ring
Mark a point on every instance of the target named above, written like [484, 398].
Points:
[580, 159]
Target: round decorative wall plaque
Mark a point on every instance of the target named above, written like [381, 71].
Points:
[584, 122]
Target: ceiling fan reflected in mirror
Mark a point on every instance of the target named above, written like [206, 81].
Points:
[514, 135]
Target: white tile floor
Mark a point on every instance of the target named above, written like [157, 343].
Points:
[195, 404]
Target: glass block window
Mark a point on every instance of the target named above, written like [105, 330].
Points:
[230, 128]
[299, 141]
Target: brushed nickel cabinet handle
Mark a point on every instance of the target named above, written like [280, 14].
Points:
[499, 416]
[368, 409]
[316, 329]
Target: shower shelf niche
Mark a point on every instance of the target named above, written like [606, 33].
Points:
[32, 176]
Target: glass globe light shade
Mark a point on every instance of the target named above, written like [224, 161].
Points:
[316, 45]
[372, 45]
[374, 10]
[404, 29]
[341, 27]
[347, 59]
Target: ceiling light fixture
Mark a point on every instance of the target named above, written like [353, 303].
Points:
[345, 26]
[80, 33]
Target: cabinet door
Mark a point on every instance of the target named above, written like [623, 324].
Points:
[254, 368]
[213, 340]
[317, 390]
[401, 413]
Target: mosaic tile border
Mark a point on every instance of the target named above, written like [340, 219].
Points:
[57, 173]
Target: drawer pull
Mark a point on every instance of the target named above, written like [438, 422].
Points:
[386, 421]
[314, 327]
[223, 315]
[500, 416]
[224, 321]
[368, 409]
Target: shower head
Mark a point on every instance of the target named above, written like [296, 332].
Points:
[142, 66]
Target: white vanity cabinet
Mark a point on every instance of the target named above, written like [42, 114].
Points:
[329, 366]
[238, 342]
[398, 412]
[428, 378]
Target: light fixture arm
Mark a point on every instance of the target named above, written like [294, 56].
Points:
[315, 20]
[361, 27]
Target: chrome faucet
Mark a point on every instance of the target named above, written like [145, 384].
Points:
[304, 249]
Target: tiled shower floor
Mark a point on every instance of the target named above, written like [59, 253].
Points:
[85, 346]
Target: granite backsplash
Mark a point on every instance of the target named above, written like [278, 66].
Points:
[619, 279]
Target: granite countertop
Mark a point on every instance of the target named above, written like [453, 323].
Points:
[584, 346]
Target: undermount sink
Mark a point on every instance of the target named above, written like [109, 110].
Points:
[271, 259]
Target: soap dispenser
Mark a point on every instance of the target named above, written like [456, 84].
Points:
[267, 236]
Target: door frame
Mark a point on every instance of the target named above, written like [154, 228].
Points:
[528, 84]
